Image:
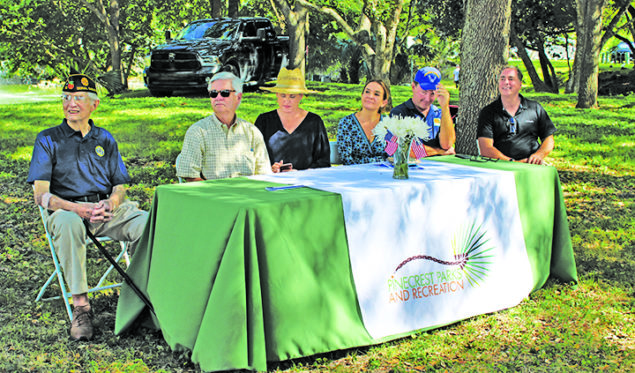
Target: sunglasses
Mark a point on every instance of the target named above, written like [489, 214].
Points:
[512, 125]
[223, 93]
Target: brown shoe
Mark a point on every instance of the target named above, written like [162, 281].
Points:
[82, 325]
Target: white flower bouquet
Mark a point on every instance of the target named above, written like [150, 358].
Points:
[403, 128]
[399, 134]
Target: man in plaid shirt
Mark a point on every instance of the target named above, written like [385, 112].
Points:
[223, 145]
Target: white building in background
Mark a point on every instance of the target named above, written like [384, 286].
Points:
[621, 53]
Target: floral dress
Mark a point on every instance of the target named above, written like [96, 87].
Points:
[353, 145]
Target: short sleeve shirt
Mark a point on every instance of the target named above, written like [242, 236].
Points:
[531, 123]
[213, 151]
[77, 166]
[432, 120]
[354, 147]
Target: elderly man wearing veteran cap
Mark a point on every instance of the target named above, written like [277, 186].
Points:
[296, 139]
[426, 88]
[223, 145]
[78, 174]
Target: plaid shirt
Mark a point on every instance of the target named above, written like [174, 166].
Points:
[212, 150]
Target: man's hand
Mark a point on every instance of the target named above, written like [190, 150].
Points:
[101, 212]
[536, 158]
[443, 96]
[84, 210]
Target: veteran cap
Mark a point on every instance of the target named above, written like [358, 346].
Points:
[428, 78]
[79, 83]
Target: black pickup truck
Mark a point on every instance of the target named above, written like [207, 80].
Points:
[248, 47]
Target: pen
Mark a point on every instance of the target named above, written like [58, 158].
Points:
[272, 189]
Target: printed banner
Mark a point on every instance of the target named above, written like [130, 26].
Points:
[442, 246]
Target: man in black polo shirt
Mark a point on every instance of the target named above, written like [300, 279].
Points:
[509, 127]
[78, 174]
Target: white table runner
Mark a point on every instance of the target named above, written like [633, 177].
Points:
[403, 236]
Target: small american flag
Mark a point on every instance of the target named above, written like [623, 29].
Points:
[391, 143]
[418, 149]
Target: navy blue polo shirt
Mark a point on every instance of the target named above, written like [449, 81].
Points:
[520, 140]
[432, 120]
[77, 166]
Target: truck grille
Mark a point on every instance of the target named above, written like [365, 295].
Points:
[174, 61]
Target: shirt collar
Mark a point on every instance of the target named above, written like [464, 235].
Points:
[223, 124]
[68, 131]
[521, 107]
[410, 105]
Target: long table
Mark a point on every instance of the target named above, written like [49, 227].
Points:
[241, 275]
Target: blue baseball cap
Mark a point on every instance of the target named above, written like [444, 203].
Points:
[428, 78]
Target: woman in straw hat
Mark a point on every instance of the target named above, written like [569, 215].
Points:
[295, 138]
[356, 142]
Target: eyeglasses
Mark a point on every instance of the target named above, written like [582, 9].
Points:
[512, 125]
[68, 98]
[223, 93]
[476, 158]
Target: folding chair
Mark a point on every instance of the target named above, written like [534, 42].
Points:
[66, 295]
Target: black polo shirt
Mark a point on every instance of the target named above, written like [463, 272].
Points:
[531, 121]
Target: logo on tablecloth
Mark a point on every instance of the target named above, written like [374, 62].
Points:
[467, 266]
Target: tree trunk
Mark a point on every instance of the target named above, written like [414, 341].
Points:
[215, 8]
[548, 72]
[297, 21]
[131, 58]
[572, 83]
[354, 64]
[536, 82]
[378, 55]
[589, 35]
[483, 55]
[232, 8]
[110, 21]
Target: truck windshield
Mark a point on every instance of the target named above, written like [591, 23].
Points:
[211, 29]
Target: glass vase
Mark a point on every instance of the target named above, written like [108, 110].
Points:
[400, 159]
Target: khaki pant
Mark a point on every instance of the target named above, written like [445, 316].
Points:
[69, 236]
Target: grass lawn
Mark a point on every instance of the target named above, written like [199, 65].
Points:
[558, 328]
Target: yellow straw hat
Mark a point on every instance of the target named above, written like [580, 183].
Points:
[290, 82]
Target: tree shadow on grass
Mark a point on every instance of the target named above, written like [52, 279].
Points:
[600, 212]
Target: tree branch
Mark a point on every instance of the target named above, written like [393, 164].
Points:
[355, 35]
[610, 28]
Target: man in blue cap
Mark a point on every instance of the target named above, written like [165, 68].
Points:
[427, 88]
[78, 175]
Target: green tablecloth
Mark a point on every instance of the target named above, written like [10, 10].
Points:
[543, 216]
[242, 276]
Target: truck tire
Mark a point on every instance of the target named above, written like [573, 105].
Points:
[160, 92]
